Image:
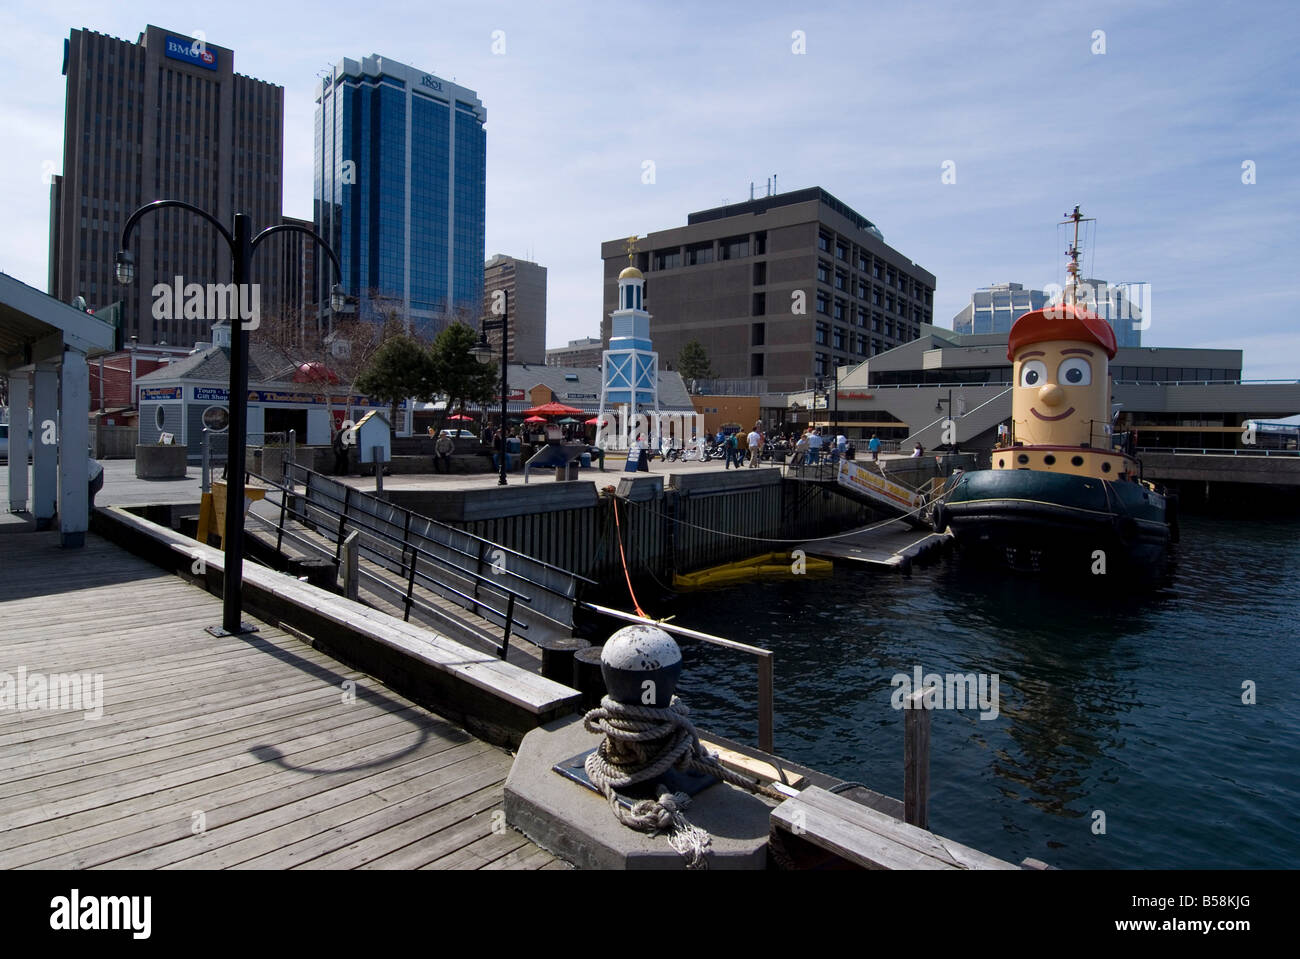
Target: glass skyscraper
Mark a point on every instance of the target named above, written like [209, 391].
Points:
[992, 309]
[400, 170]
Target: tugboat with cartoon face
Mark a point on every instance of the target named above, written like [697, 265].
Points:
[1062, 495]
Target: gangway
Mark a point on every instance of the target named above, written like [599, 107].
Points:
[866, 484]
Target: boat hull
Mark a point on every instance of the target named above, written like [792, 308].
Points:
[1053, 523]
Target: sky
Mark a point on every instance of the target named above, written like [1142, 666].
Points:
[1175, 125]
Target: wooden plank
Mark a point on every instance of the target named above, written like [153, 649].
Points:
[749, 766]
[863, 847]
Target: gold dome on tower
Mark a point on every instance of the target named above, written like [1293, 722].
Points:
[631, 273]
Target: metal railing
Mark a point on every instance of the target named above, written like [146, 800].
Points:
[764, 656]
[213, 450]
[509, 589]
[1186, 450]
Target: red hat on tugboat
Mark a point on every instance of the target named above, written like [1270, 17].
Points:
[1061, 321]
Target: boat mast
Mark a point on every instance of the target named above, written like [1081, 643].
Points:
[1072, 283]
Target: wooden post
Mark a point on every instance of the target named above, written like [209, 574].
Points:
[349, 566]
[375, 453]
[916, 759]
[765, 703]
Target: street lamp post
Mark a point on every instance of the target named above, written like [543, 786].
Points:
[483, 353]
[242, 244]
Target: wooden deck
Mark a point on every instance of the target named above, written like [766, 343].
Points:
[248, 752]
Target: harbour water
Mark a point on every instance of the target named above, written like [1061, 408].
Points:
[1117, 712]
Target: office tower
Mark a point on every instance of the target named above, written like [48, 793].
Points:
[584, 352]
[165, 117]
[400, 162]
[525, 282]
[779, 290]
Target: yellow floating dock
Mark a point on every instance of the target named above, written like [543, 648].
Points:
[763, 566]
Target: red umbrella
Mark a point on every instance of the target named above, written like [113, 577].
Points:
[594, 421]
[553, 409]
[315, 373]
[535, 419]
[459, 416]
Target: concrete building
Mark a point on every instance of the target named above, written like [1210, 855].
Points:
[992, 309]
[525, 281]
[1174, 397]
[400, 168]
[165, 117]
[784, 288]
[585, 353]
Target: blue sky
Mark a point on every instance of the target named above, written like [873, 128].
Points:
[1149, 137]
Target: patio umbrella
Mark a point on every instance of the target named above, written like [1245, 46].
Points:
[535, 419]
[553, 409]
[568, 419]
[459, 416]
[594, 421]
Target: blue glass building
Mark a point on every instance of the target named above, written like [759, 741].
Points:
[992, 309]
[400, 170]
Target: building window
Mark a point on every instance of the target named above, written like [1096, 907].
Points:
[839, 339]
[823, 242]
[862, 262]
[823, 272]
[756, 364]
[699, 254]
[819, 366]
[760, 274]
[862, 290]
[757, 334]
[841, 251]
[760, 304]
[839, 309]
[841, 281]
[876, 271]
[822, 334]
[760, 243]
[823, 303]
[734, 247]
[668, 259]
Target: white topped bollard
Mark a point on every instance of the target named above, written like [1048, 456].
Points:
[640, 665]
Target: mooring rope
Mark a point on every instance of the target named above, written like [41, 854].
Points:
[641, 744]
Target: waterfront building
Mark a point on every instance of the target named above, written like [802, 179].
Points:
[525, 282]
[782, 289]
[400, 171]
[1174, 396]
[166, 117]
[586, 352]
[992, 309]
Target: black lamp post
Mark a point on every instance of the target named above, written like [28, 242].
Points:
[483, 353]
[242, 244]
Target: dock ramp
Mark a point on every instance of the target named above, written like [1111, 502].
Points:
[866, 483]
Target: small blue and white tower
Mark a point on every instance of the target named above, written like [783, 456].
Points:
[631, 367]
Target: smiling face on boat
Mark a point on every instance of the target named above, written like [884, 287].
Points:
[1061, 389]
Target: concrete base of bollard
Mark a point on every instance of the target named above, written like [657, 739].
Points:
[577, 824]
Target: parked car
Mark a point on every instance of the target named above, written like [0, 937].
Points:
[458, 434]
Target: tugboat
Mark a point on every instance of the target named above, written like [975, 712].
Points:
[1064, 494]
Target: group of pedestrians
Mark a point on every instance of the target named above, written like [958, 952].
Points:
[740, 445]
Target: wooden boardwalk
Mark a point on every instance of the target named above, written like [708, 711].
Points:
[248, 752]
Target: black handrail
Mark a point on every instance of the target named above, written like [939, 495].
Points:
[474, 536]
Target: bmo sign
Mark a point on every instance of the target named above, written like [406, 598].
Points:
[191, 51]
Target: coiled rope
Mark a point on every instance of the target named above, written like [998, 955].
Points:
[641, 744]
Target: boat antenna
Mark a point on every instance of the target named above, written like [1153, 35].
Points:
[1072, 283]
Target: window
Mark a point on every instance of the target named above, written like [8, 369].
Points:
[862, 290]
[757, 334]
[862, 262]
[841, 251]
[876, 271]
[823, 303]
[760, 244]
[699, 254]
[760, 304]
[839, 309]
[823, 272]
[841, 281]
[823, 242]
[756, 364]
[822, 334]
[760, 274]
[668, 259]
[734, 248]
[819, 366]
[839, 339]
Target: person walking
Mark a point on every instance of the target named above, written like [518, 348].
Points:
[801, 450]
[742, 448]
[755, 439]
[815, 446]
[874, 446]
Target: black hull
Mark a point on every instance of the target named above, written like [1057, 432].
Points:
[1059, 525]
